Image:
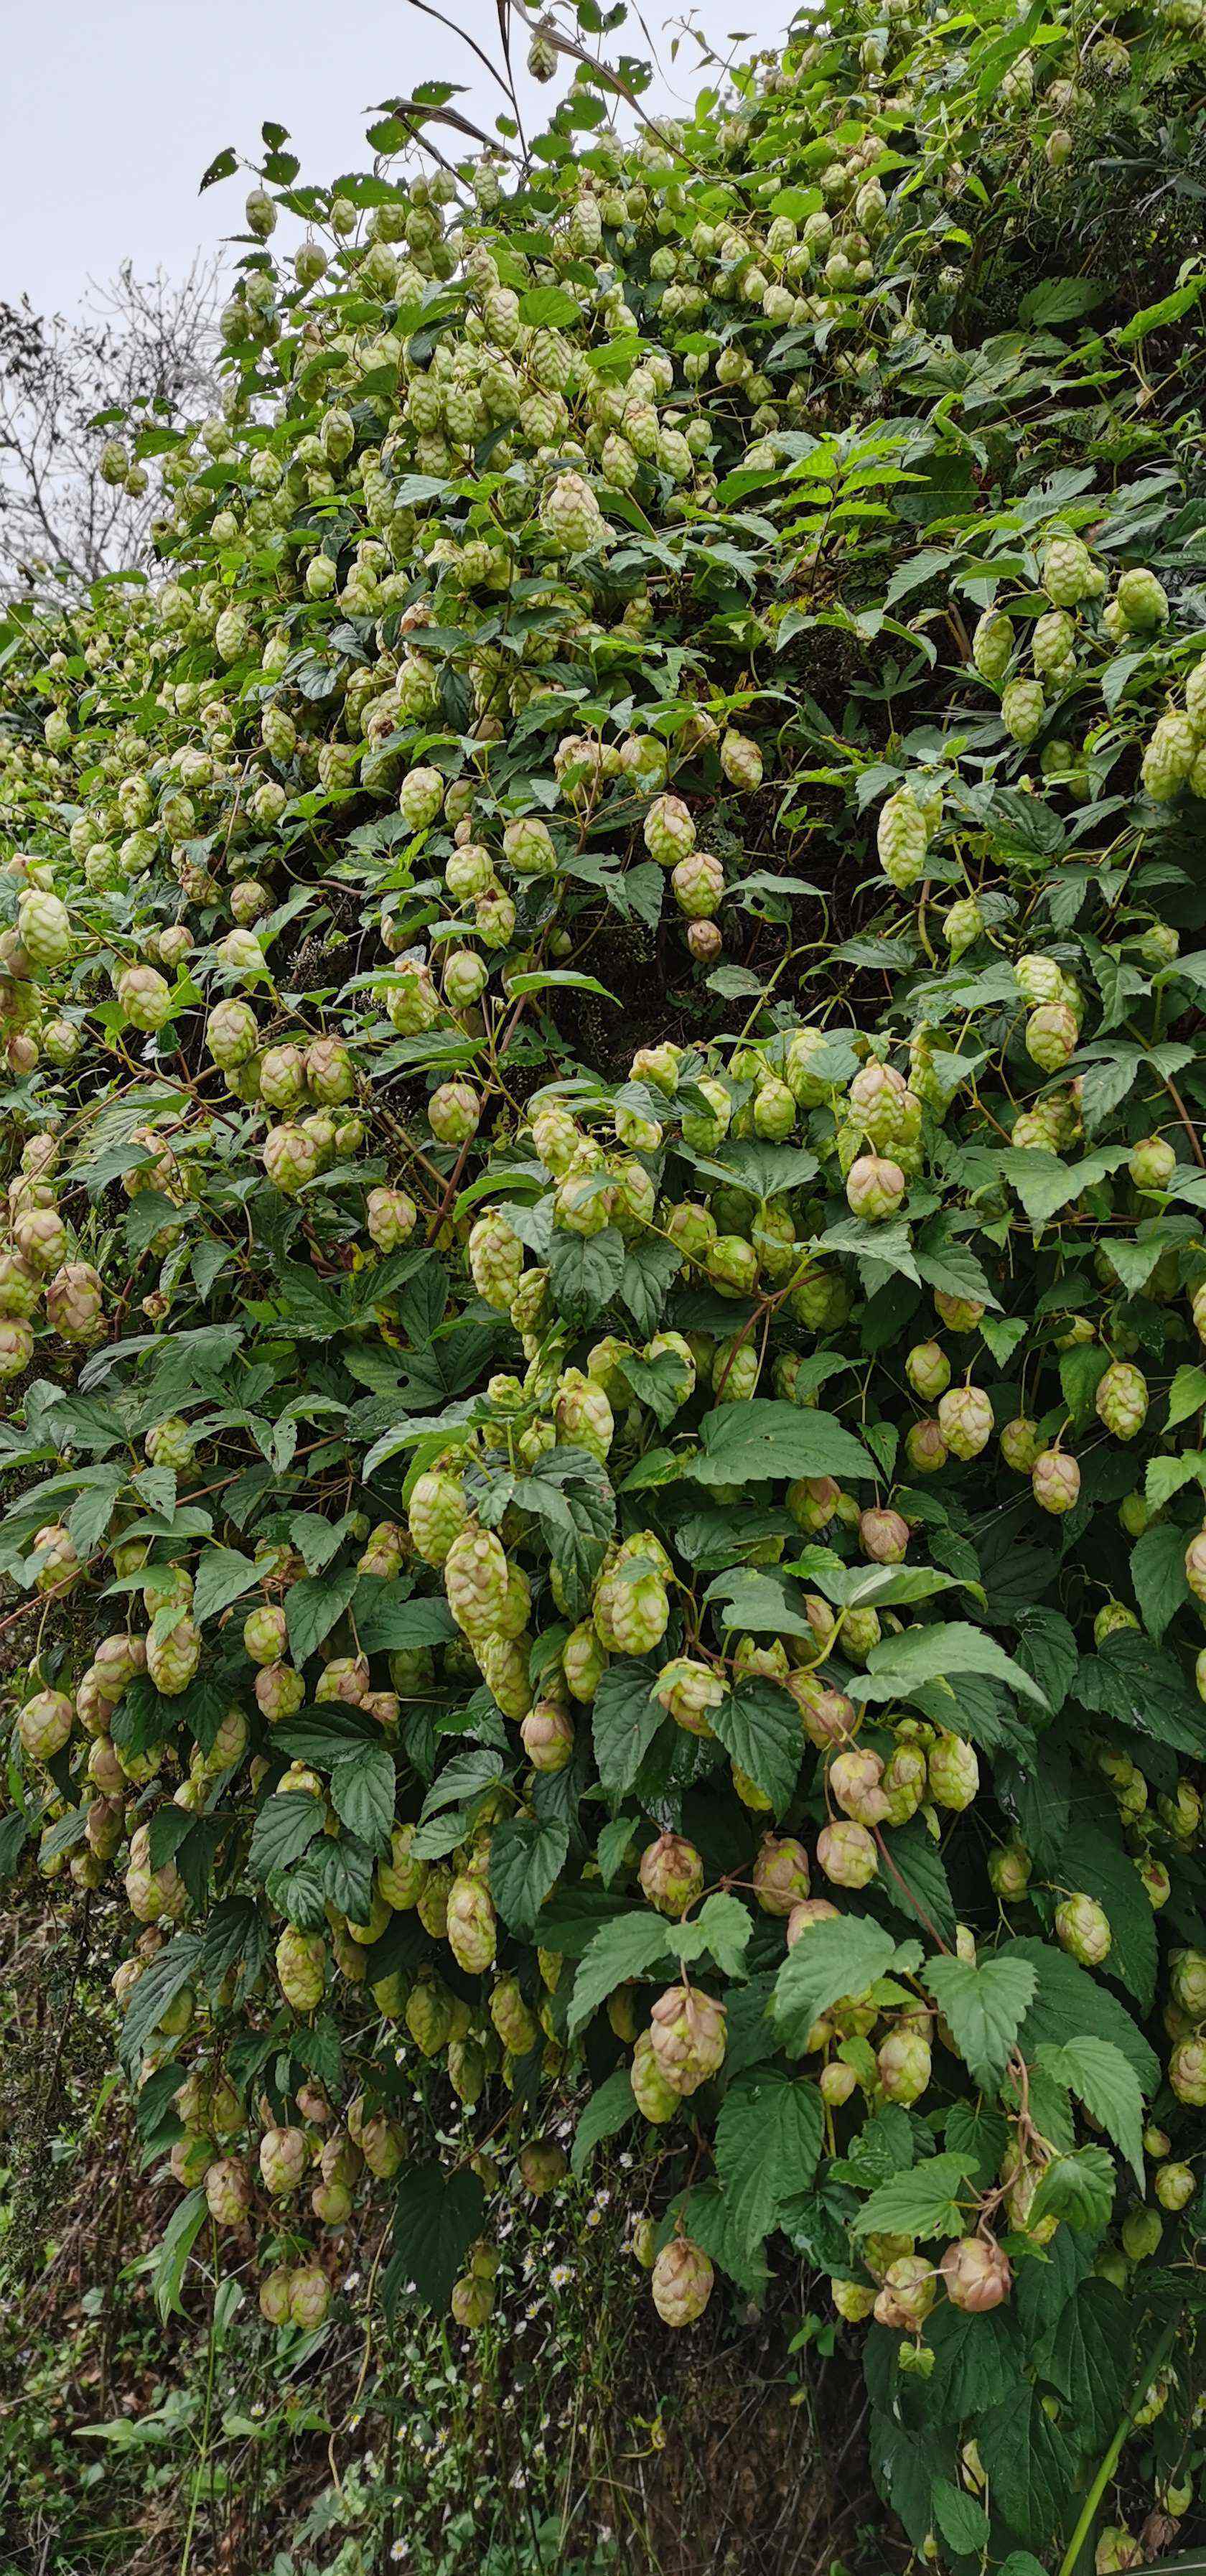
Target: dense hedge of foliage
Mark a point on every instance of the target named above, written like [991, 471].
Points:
[605, 1271]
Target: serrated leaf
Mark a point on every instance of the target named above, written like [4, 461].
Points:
[224, 1574]
[1032, 2467]
[173, 2251]
[436, 2217]
[722, 1928]
[284, 1828]
[608, 2110]
[900, 1666]
[1069, 2003]
[743, 1443]
[932, 2199]
[1158, 1575]
[313, 1607]
[1078, 2188]
[526, 1860]
[985, 2006]
[624, 1949]
[759, 1727]
[625, 1717]
[1100, 2076]
[834, 1958]
[363, 1789]
[963, 2523]
[767, 2146]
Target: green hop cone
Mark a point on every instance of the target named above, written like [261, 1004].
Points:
[671, 1874]
[1023, 710]
[1069, 573]
[1055, 1481]
[495, 1260]
[301, 1967]
[902, 841]
[309, 2296]
[846, 1853]
[475, 1580]
[44, 929]
[291, 1158]
[965, 1421]
[687, 2033]
[436, 1514]
[284, 2156]
[631, 1612]
[517, 2028]
[472, 1934]
[903, 2064]
[1122, 1399]
[875, 1187]
[1142, 600]
[1152, 1163]
[953, 1772]
[172, 1660]
[993, 646]
[681, 2282]
[780, 1874]
[928, 1371]
[453, 1111]
[1169, 758]
[1051, 1036]
[669, 832]
[1082, 1927]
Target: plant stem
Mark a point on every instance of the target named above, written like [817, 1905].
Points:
[1068, 2562]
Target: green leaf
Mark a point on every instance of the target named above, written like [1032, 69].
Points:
[722, 1927]
[157, 1988]
[1047, 1651]
[625, 1717]
[1070, 2004]
[746, 1443]
[1032, 2467]
[1132, 1681]
[1158, 1575]
[284, 1828]
[1059, 299]
[437, 2215]
[985, 2007]
[585, 1271]
[1187, 1394]
[838, 1957]
[932, 2199]
[767, 2146]
[172, 2253]
[608, 2110]
[624, 1949]
[1079, 2188]
[914, 1882]
[759, 1727]
[1091, 2359]
[363, 1789]
[1094, 1861]
[312, 1609]
[900, 1666]
[548, 308]
[1100, 2076]
[526, 1860]
[223, 1575]
[963, 2523]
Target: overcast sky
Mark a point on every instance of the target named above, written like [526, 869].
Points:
[111, 113]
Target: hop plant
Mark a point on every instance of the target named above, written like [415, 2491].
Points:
[1083, 1928]
[1055, 1481]
[687, 2037]
[681, 2282]
[671, 1874]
